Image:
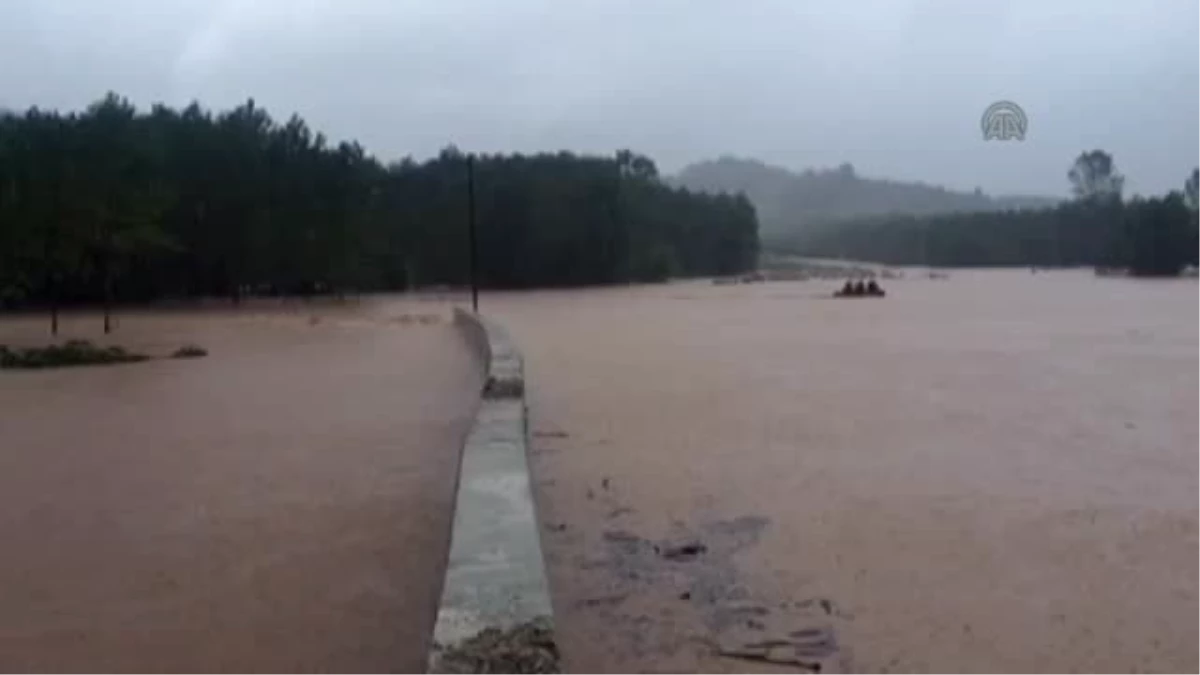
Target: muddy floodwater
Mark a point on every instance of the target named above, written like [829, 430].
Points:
[280, 505]
[994, 472]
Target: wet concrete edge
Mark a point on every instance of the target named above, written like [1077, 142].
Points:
[495, 574]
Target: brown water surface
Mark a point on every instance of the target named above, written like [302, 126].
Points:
[992, 473]
[280, 505]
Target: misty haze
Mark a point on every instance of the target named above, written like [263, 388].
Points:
[600, 336]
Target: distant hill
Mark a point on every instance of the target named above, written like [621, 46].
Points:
[788, 202]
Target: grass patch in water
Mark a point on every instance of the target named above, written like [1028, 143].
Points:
[70, 353]
[189, 352]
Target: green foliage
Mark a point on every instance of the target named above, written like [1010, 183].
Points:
[116, 204]
[71, 353]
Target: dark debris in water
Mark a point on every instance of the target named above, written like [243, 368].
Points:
[683, 552]
[781, 655]
[618, 512]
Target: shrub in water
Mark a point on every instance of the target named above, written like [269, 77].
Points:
[189, 352]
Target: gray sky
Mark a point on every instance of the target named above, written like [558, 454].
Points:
[896, 87]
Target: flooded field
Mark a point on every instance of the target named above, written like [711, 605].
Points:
[992, 472]
[280, 505]
[997, 472]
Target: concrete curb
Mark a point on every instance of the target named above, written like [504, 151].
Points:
[495, 576]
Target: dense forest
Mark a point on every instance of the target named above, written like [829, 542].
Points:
[116, 204]
[789, 202]
[1145, 236]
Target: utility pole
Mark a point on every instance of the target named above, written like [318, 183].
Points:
[925, 243]
[471, 231]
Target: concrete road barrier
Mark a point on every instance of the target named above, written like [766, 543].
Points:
[495, 576]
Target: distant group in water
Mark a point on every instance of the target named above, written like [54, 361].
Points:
[860, 289]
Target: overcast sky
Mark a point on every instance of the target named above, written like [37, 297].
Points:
[896, 87]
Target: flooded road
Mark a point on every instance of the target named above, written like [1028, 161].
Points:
[992, 473]
[280, 505]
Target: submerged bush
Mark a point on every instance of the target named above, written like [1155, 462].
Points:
[189, 352]
[70, 353]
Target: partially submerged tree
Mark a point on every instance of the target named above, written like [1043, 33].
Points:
[1162, 236]
[1093, 176]
[1191, 198]
[122, 198]
[1191, 190]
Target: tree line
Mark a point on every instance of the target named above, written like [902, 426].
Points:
[1149, 236]
[115, 204]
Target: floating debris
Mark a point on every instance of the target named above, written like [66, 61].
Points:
[621, 536]
[683, 552]
[775, 652]
[549, 434]
[816, 643]
[526, 648]
[604, 600]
